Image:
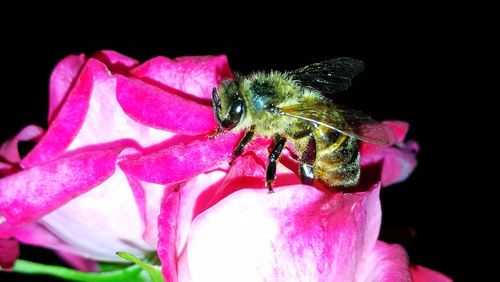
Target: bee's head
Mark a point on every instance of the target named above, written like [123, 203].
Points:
[229, 106]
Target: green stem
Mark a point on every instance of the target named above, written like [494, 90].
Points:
[153, 271]
[130, 273]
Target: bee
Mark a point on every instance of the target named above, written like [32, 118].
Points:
[294, 109]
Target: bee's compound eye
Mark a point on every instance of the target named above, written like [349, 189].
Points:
[236, 111]
[234, 115]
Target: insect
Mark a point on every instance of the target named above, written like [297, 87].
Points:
[293, 107]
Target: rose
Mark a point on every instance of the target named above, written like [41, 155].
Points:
[122, 136]
[69, 195]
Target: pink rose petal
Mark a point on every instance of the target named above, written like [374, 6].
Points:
[180, 162]
[424, 274]
[32, 193]
[9, 149]
[153, 200]
[115, 61]
[157, 108]
[194, 197]
[167, 247]
[203, 191]
[192, 75]
[61, 81]
[396, 128]
[79, 262]
[148, 197]
[106, 122]
[121, 229]
[399, 128]
[37, 235]
[398, 165]
[91, 115]
[296, 234]
[9, 252]
[397, 162]
[7, 168]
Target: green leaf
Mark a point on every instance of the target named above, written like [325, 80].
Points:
[132, 273]
[154, 271]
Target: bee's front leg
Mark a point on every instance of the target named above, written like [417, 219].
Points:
[243, 142]
[218, 131]
[307, 160]
[279, 144]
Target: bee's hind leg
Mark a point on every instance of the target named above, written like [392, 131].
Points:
[279, 144]
[243, 142]
[307, 160]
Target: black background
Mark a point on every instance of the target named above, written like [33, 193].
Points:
[424, 64]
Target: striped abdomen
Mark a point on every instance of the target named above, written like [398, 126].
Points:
[337, 158]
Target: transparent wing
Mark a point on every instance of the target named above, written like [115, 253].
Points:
[346, 121]
[329, 76]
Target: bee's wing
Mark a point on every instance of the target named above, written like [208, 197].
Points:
[329, 76]
[346, 121]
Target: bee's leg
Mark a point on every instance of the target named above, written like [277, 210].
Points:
[243, 142]
[279, 143]
[307, 160]
[218, 131]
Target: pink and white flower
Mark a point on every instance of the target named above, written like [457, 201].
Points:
[126, 165]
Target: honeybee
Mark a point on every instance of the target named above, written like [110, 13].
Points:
[293, 107]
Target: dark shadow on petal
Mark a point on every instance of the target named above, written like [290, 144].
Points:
[398, 235]
[24, 147]
[370, 175]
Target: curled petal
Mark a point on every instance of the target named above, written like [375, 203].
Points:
[30, 194]
[385, 263]
[7, 168]
[91, 115]
[62, 80]
[9, 149]
[398, 129]
[398, 165]
[106, 121]
[115, 61]
[397, 162]
[66, 124]
[157, 108]
[9, 252]
[180, 162]
[191, 75]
